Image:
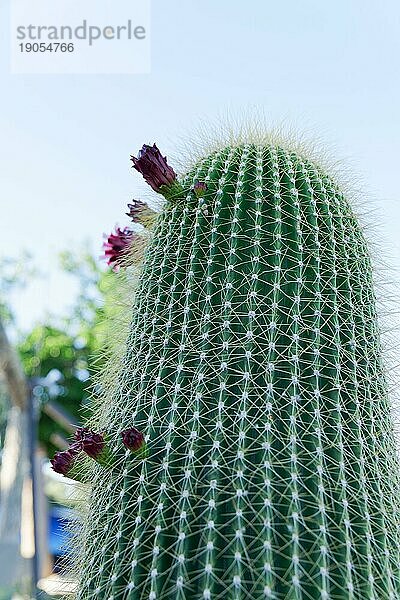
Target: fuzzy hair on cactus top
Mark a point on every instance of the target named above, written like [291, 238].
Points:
[253, 373]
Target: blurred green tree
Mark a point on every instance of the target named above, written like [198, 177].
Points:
[60, 355]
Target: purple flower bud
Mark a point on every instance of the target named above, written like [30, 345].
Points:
[133, 439]
[62, 462]
[92, 443]
[140, 212]
[79, 434]
[200, 188]
[117, 245]
[154, 168]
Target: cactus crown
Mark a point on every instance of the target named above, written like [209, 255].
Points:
[253, 367]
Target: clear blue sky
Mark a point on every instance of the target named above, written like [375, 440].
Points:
[65, 140]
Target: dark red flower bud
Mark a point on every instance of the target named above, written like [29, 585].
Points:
[92, 443]
[62, 462]
[80, 432]
[154, 167]
[116, 246]
[140, 212]
[133, 439]
[200, 188]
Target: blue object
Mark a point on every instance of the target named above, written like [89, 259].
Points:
[58, 534]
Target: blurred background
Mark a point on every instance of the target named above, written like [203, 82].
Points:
[329, 70]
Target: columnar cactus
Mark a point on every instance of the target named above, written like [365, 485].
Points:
[253, 369]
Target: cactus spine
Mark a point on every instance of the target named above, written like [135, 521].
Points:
[253, 366]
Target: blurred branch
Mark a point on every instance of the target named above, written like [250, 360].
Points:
[12, 370]
[59, 441]
[60, 415]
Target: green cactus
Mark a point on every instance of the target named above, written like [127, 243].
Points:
[253, 367]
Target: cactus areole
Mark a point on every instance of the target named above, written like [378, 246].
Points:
[253, 368]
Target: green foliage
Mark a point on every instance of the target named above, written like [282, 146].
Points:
[60, 354]
[64, 353]
[61, 362]
[86, 318]
[14, 275]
